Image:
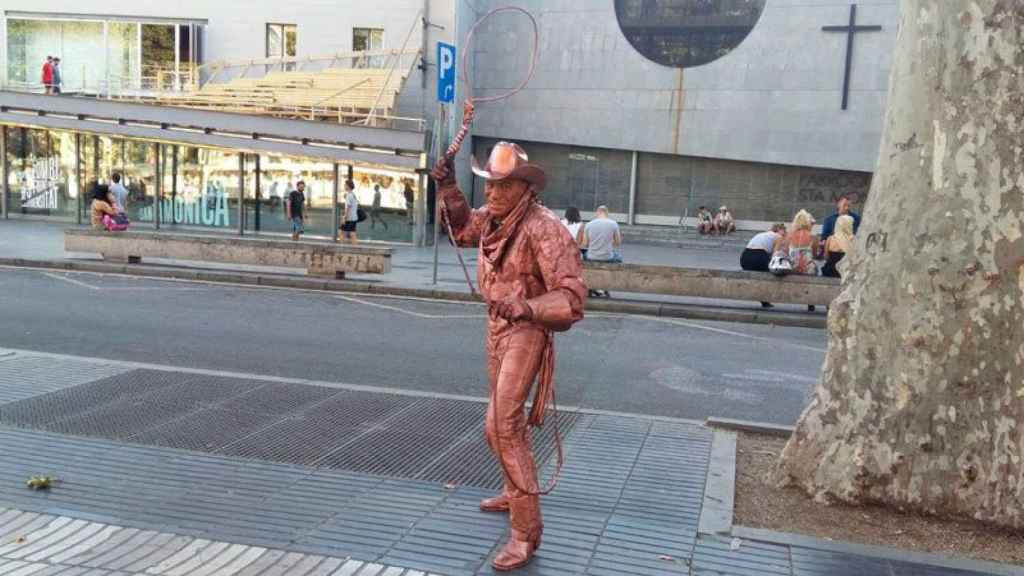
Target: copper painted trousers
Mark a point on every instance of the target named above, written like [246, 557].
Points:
[513, 361]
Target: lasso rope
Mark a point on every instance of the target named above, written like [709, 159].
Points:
[449, 155]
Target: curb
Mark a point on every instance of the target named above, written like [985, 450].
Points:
[880, 552]
[749, 426]
[680, 311]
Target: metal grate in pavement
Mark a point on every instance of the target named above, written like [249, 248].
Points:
[23, 376]
[360, 431]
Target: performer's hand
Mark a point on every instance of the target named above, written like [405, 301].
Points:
[468, 112]
[443, 172]
[513, 309]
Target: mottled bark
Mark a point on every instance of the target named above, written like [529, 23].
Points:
[921, 402]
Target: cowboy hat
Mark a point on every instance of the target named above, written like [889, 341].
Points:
[509, 161]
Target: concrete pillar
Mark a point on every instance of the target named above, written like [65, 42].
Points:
[334, 203]
[632, 190]
[241, 194]
[3, 172]
[78, 178]
[158, 187]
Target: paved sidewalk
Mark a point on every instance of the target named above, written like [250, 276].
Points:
[169, 471]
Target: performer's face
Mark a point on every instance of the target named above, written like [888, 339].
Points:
[503, 196]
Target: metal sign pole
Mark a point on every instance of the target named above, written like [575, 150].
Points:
[4, 187]
[336, 217]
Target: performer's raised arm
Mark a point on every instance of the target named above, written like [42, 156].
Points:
[467, 224]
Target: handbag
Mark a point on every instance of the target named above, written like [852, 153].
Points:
[360, 214]
[780, 264]
[112, 223]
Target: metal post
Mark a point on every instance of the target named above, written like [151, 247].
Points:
[4, 188]
[157, 196]
[78, 177]
[334, 204]
[632, 190]
[241, 194]
[174, 181]
[259, 198]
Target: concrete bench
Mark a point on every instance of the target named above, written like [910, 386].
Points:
[722, 284]
[319, 259]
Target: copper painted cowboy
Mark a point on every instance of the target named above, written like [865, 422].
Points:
[531, 276]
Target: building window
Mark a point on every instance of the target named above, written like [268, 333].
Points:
[687, 33]
[367, 39]
[281, 40]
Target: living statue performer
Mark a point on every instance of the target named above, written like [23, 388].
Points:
[530, 275]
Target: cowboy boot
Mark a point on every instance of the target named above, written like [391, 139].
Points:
[497, 503]
[526, 533]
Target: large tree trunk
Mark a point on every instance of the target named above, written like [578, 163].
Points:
[921, 402]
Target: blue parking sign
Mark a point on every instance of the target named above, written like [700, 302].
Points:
[446, 72]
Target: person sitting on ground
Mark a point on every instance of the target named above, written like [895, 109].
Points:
[705, 225]
[801, 246]
[842, 209]
[758, 253]
[574, 224]
[838, 245]
[101, 206]
[724, 222]
[601, 237]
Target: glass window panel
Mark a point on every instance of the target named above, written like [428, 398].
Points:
[29, 42]
[122, 55]
[274, 41]
[393, 221]
[158, 56]
[687, 33]
[290, 41]
[81, 55]
[204, 191]
[279, 175]
[41, 174]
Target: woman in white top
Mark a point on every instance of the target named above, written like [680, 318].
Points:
[351, 220]
[758, 253]
[574, 224]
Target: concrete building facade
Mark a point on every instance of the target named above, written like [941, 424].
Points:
[760, 128]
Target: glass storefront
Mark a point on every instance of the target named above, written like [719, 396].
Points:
[198, 187]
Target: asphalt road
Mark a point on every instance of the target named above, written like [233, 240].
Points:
[619, 363]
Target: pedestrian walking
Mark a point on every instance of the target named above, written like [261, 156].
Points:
[47, 75]
[56, 78]
[375, 209]
[348, 228]
[295, 209]
[410, 201]
[119, 191]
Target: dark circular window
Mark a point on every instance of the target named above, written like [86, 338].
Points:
[687, 33]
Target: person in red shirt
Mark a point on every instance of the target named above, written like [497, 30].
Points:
[48, 75]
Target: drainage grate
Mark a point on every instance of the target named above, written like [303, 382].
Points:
[360, 431]
[23, 376]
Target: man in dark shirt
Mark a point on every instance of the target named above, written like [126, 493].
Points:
[829, 226]
[294, 208]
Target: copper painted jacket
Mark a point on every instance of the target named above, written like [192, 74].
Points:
[542, 264]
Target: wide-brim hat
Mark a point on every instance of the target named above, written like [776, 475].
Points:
[509, 161]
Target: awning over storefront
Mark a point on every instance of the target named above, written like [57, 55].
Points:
[360, 145]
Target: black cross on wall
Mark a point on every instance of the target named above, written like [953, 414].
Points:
[851, 29]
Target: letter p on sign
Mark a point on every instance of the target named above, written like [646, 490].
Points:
[445, 73]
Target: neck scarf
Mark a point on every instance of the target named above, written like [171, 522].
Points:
[496, 237]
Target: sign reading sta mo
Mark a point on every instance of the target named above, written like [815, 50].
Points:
[446, 73]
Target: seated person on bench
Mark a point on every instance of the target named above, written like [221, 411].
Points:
[601, 238]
